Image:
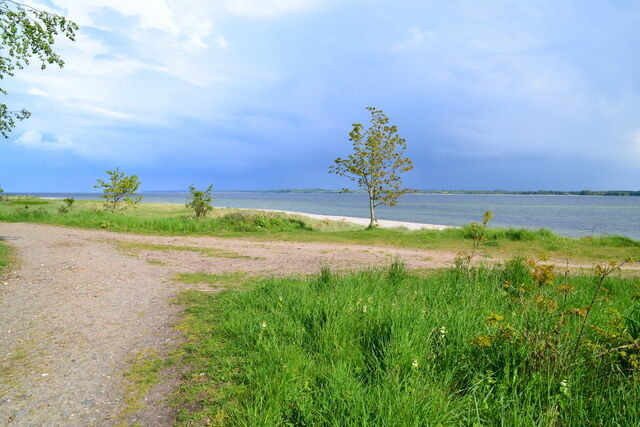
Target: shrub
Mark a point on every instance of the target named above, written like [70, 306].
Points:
[200, 201]
[68, 202]
[249, 221]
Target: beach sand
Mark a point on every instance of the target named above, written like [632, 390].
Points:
[382, 223]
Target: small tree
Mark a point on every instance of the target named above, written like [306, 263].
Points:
[376, 162]
[119, 189]
[1, 193]
[200, 201]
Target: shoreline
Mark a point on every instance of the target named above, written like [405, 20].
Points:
[382, 223]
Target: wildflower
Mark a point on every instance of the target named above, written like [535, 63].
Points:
[545, 303]
[564, 387]
[280, 299]
[263, 325]
[364, 308]
[582, 311]
[494, 318]
[565, 289]
[481, 340]
[414, 364]
[443, 331]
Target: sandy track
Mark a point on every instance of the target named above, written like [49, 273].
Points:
[75, 309]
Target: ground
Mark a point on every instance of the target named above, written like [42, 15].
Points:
[79, 306]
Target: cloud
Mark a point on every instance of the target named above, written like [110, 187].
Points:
[38, 92]
[416, 38]
[36, 140]
[269, 8]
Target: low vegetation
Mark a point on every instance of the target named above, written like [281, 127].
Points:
[233, 278]
[513, 344]
[5, 255]
[133, 248]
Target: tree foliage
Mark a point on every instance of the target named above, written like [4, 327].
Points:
[119, 192]
[27, 33]
[376, 162]
[200, 201]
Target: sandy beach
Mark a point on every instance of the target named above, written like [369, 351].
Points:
[383, 223]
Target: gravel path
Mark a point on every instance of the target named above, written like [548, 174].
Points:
[78, 306]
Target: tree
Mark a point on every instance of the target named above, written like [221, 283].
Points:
[119, 189]
[26, 33]
[200, 201]
[1, 193]
[376, 162]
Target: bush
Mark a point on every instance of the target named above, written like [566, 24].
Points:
[248, 221]
[200, 201]
[68, 202]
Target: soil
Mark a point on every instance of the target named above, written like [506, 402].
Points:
[77, 307]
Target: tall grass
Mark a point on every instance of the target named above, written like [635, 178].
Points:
[236, 222]
[390, 348]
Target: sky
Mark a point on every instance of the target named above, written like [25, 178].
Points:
[261, 94]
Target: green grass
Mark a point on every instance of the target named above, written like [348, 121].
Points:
[232, 278]
[172, 219]
[393, 348]
[132, 248]
[157, 262]
[5, 257]
[141, 376]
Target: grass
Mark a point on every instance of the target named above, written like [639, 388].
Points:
[171, 219]
[132, 248]
[157, 262]
[233, 278]
[143, 373]
[388, 347]
[5, 257]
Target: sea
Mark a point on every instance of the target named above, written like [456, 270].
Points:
[573, 216]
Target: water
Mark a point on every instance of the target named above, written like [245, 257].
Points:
[573, 216]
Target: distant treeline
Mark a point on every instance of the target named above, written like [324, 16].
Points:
[537, 192]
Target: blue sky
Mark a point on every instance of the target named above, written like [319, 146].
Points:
[261, 94]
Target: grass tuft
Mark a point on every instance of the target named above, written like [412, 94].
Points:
[132, 248]
[233, 278]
